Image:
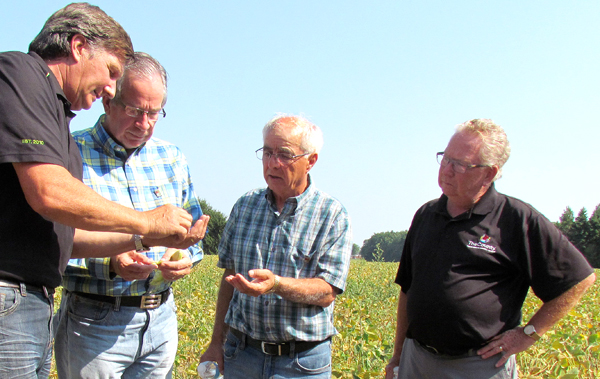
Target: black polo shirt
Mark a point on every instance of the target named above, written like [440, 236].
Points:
[466, 278]
[34, 127]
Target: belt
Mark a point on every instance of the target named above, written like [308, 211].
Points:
[444, 353]
[149, 301]
[28, 287]
[275, 348]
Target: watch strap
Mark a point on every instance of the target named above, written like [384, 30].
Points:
[139, 245]
[530, 331]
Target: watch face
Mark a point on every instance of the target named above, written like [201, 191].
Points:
[529, 329]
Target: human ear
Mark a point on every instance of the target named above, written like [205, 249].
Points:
[312, 159]
[491, 174]
[79, 47]
[106, 102]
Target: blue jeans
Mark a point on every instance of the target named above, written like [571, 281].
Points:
[25, 332]
[98, 340]
[246, 362]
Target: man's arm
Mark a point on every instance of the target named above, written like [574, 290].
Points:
[313, 291]
[401, 328]
[214, 352]
[89, 244]
[515, 341]
[55, 194]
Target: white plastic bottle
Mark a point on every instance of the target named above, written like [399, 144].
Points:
[396, 372]
[209, 370]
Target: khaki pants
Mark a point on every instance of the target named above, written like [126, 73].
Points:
[416, 362]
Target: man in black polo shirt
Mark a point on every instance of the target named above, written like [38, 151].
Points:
[75, 59]
[468, 262]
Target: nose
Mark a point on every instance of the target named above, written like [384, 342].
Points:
[111, 89]
[143, 122]
[272, 161]
[447, 169]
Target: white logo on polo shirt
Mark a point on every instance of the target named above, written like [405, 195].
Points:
[482, 244]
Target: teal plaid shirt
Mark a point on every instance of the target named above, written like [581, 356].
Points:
[310, 238]
[155, 174]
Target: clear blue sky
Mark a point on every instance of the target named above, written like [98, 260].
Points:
[387, 81]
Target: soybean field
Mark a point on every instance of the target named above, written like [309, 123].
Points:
[365, 316]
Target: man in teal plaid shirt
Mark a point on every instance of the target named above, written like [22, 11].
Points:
[117, 314]
[286, 252]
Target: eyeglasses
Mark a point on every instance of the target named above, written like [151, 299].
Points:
[137, 112]
[457, 166]
[283, 158]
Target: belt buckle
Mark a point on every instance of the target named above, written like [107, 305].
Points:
[150, 301]
[263, 343]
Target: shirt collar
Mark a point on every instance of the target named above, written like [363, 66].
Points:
[54, 84]
[484, 206]
[295, 202]
[109, 145]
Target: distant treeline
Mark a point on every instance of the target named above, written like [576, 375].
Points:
[582, 231]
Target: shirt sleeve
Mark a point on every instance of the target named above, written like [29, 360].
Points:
[555, 265]
[90, 268]
[30, 126]
[191, 204]
[336, 252]
[404, 273]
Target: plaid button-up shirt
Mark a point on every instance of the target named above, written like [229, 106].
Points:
[155, 174]
[310, 238]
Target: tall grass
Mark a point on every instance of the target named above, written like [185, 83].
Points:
[365, 317]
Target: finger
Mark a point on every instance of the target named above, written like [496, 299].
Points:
[198, 231]
[260, 274]
[502, 360]
[141, 259]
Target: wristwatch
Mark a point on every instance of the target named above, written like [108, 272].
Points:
[530, 331]
[275, 285]
[139, 246]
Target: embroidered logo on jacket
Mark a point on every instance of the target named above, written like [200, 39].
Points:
[482, 244]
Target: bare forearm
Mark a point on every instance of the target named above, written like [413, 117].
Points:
[552, 311]
[55, 194]
[100, 244]
[314, 291]
[220, 329]
[401, 324]
[401, 327]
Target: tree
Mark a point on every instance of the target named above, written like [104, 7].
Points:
[567, 219]
[355, 251]
[592, 251]
[386, 246]
[217, 222]
[584, 233]
[580, 231]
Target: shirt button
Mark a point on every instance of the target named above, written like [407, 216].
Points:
[267, 302]
[268, 329]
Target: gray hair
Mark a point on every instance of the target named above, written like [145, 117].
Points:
[101, 31]
[312, 136]
[495, 148]
[143, 66]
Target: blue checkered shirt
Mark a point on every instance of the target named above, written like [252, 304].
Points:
[310, 238]
[155, 174]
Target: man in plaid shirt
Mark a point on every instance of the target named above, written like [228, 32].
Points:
[117, 314]
[286, 252]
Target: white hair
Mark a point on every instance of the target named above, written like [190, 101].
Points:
[312, 137]
[495, 148]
